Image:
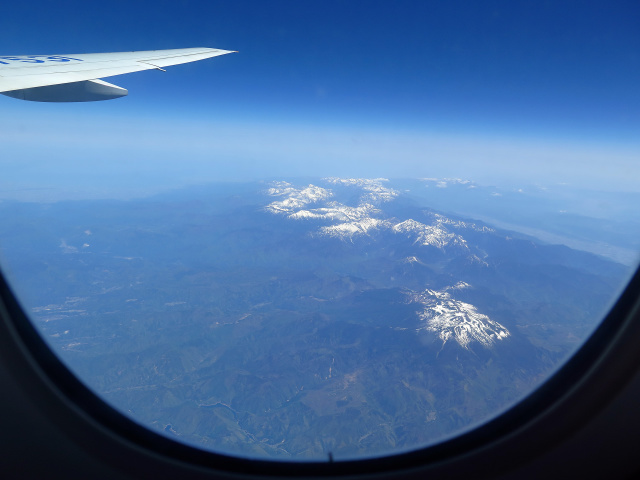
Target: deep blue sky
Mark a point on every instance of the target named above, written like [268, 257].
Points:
[546, 91]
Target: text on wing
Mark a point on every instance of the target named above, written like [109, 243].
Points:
[6, 60]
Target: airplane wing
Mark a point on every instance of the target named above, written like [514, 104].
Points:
[76, 78]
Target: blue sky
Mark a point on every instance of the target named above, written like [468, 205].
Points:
[505, 91]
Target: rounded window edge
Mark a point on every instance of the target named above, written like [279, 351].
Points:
[578, 390]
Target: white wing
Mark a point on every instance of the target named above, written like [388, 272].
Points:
[75, 78]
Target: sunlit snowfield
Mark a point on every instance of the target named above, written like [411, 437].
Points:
[294, 318]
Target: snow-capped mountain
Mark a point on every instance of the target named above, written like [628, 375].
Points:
[435, 235]
[346, 220]
[294, 198]
[440, 312]
[366, 216]
[454, 320]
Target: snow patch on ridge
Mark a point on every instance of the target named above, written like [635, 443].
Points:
[337, 212]
[434, 235]
[350, 229]
[442, 220]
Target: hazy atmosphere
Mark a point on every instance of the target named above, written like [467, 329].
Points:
[496, 92]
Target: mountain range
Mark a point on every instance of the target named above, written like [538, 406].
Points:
[297, 318]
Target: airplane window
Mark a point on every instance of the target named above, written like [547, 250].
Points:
[376, 227]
